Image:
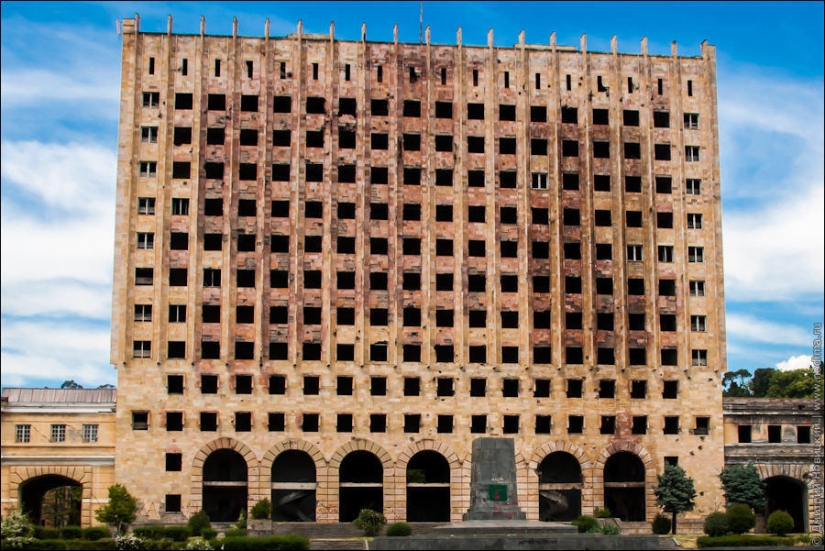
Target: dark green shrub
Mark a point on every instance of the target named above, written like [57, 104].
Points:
[148, 532]
[177, 533]
[603, 513]
[397, 529]
[288, 542]
[585, 523]
[105, 544]
[660, 525]
[780, 523]
[235, 533]
[198, 522]
[740, 518]
[50, 545]
[610, 530]
[716, 524]
[208, 533]
[43, 533]
[370, 522]
[743, 541]
[262, 510]
[94, 533]
[71, 533]
[162, 544]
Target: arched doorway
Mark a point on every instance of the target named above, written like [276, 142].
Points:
[361, 485]
[560, 487]
[428, 488]
[224, 485]
[293, 487]
[624, 486]
[52, 500]
[788, 494]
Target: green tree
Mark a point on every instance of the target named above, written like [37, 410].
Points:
[761, 381]
[735, 384]
[744, 485]
[121, 509]
[675, 492]
[799, 383]
[70, 384]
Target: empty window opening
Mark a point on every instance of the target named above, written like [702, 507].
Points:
[637, 356]
[511, 424]
[151, 65]
[570, 115]
[443, 109]
[608, 424]
[140, 420]
[604, 321]
[475, 178]
[667, 322]
[638, 390]
[346, 72]
[378, 281]
[600, 84]
[702, 426]
[444, 353]
[744, 434]
[379, 73]
[575, 424]
[632, 150]
[803, 435]
[478, 424]
[506, 112]
[379, 107]
[478, 354]
[475, 77]
[661, 119]
[661, 151]
[444, 177]
[690, 88]
[569, 82]
[412, 108]
[671, 425]
[475, 144]
[413, 75]
[444, 77]
[412, 422]
[660, 85]
[412, 317]
[639, 424]
[636, 322]
[478, 318]
[346, 138]
[509, 388]
[475, 111]
[541, 284]
[444, 424]
[538, 113]
[378, 352]
[574, 388]
[314, 71]
[670, 390]
[670, 356]
[509, 354]
[629, 85]
[570, 148]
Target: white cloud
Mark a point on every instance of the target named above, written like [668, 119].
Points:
[72, 177]
[772, 186]
[50, 350]
[749, 328]
[57, 298]
[36, 86]
[794, 362]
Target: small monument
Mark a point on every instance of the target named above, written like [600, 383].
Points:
[493, 491]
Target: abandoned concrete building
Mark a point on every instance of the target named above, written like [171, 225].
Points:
[339, 262]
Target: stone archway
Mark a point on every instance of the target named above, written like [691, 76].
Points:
[293, 467]
[52, 500]
[222, 486]
[76, 474]
[364, 473]
[628, 476]
[790, 495]
[442, 478]
[563, 472]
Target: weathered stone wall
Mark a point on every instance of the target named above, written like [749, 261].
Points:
[535, 76]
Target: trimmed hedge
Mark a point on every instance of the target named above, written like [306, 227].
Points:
[780, 523]
[94, 533]
[43, 533]
[103, 544]
[716, 524]
[740, 518]
[208, 533]
[235, 533]
[71, 533]
[149, 532]
[198, 522]
[743, 541]
[177, 533]
[398, 529]
[288, 542]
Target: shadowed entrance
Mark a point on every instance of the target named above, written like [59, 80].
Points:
[624, 486]
[52, 500]
[224, 485]
[293, 487]
[428, 488]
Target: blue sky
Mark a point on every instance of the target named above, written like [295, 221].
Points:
[60, 90]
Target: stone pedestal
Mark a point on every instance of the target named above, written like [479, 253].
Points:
[493, 490]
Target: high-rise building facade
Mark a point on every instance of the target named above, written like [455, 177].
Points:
[339, 262]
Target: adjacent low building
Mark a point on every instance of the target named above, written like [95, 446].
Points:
[53, 438]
